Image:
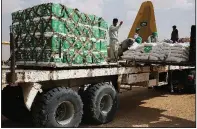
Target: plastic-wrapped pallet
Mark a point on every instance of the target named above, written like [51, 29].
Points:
[178, 52]
[136, 52]
[55, 33]
[158, 52]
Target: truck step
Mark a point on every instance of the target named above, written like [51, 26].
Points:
[125, 88]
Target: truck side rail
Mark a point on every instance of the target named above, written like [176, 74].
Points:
[23, 76]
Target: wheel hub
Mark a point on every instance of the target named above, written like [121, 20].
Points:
[106, 104]
[64, 113]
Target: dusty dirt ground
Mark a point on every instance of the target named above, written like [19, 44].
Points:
[144, 107]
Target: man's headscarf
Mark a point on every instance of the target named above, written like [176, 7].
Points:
[154, 34]
[138, 40]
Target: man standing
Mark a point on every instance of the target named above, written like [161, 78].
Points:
[175, 34]
[113, 41]
[153, 38]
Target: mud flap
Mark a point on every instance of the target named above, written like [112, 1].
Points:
[30, 91]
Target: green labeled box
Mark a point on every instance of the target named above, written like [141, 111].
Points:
[55, 33]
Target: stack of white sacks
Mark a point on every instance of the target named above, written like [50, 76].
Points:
[160, 51]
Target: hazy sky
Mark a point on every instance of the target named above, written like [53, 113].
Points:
[167, 13]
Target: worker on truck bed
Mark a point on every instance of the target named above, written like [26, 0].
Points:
[113, 41]
[153, 38]
[124, 46]
[136, 33]
[138, 40]
[175, 34]
[137, 37]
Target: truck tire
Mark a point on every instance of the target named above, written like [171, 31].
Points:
[190, 85]
[59, 107]
[179, 81]
[13, 106]
[100, 103]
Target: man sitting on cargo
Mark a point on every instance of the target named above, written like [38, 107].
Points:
[153, 38]
[113, 41]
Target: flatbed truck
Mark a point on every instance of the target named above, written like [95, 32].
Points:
[60, 97]
[64, 96]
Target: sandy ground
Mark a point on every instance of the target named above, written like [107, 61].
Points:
[146, 108]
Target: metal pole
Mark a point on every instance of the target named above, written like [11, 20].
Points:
[12, 49]
[170, 81]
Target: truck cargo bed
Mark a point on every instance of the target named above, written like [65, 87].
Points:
[62, 66]
[153, 62]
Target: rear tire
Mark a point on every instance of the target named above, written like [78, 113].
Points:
[59, 107]
[179, 81]
[13, 106]
[100, 103]
[190, 85]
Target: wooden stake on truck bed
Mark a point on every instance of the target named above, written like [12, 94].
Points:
[13, 60]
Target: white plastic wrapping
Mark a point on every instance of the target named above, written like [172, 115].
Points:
[178, 52]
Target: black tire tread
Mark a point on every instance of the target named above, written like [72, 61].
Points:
[14, 108]
[40, 108]
[88, 97]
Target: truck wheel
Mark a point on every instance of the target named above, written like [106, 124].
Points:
[190, 82]
[179, 81]
[100, 103]
[13, 106]
[59, 107]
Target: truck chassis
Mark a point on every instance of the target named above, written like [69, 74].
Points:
[72, 93]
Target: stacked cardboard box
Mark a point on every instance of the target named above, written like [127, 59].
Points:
[55, 33]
